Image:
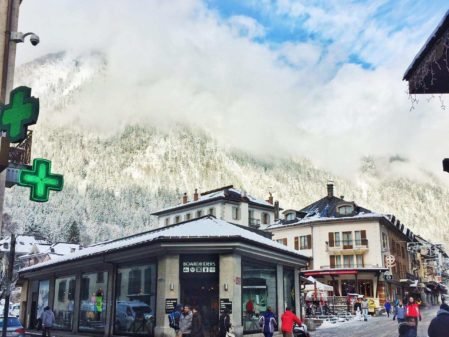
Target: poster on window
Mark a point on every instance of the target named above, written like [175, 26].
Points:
[42, 300]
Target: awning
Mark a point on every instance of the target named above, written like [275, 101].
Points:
[317, 285]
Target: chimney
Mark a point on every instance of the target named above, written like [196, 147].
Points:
[195, 195]
[276, 210]
[330, 189]
[184, 198]
[342, 197]
[270, 198]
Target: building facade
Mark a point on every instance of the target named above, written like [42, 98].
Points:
[350, 246]
[128, 286]
[225, 203]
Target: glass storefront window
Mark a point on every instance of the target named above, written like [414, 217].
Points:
[42, 300]
[64, 302]
[348, 287]
[93, 302]
[289, 289]
[136, 300]
[258, 293]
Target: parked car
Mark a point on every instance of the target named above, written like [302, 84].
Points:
[13, 328]
[134, 316]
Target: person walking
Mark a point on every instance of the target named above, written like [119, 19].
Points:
[268, 323]
[412, 311]
[224, 323]
[407, 328]
[48, 319]
[174, 317]
[185, 322]
[288, 319]
[358, 310]
[387, 306]
[197, 323]
[364, 306]
[439, 326]
[399, 312]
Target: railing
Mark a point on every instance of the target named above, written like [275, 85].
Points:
[349, 265]
[20, 154]
[349, 244]
[253, 222]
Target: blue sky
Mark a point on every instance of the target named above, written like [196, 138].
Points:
[324, 22]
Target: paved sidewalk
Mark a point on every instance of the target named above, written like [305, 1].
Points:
[375, 327]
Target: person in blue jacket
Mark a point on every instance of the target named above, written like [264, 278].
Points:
[387, 306]
[268, 323]
[399, 312]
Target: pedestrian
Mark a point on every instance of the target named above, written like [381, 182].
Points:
[268, 323]
[48, 319]
[185, 322]
[174, 317]
[387, 306]
[288, 320]
[224, 323]
[250, 308]
[439, 327]
[399, 312]
[358, 309]
[197, 323]
[364, 306]
[412, 311]
[407, 328]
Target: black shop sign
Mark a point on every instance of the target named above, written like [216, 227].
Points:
[170, 305]
[225, 303]
[199, 265]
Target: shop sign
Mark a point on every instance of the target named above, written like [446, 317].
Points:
[170, 305]
[195, 267]
[225, 303]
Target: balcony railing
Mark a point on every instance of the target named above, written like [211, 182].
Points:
[349, 244]
[348, 265]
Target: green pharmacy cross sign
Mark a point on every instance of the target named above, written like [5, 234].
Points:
[40, 180]
[21, 112]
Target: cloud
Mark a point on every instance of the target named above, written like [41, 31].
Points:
[181, 61]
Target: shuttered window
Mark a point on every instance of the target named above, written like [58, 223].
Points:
[297, 242]
[305, 242]
[331, 240]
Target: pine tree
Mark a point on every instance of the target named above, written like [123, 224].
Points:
[73, 235]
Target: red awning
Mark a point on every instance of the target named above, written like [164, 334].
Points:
[331, 272]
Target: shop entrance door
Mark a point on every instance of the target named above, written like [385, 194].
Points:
[199, 288]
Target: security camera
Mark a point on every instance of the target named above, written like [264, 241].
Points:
[34, 39]
[19, 37]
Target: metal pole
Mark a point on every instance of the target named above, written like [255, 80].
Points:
[9, 279]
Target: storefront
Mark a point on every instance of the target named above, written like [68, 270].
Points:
[127, 287]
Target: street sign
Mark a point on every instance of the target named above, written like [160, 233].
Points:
[388, 277]
[41, 180]
[21, 112]
[390, 261]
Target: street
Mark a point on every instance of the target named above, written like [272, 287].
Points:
[376, 326]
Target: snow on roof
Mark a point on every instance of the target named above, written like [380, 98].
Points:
[426, 45]
[216, 194]
[24, 244]
[314, 218]
[205, 227]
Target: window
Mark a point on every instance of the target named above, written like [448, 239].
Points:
[305, 242]
[290, 216]
[265, 218]
[212, 211]
[335, 261]
[6, 245]
[348, 261]
[403, 251]
[366, 288]
[289, 288]
[167, 221]
[64, 302]
[384, 240]
[100, 277]
[297, 242]
[347, 287]
[42, 300]
[199, 214]
[282, 241]
[135, 300]
[393, 247]
[359, 261]
[235, 213]
[337, 239]
[177, 219]
[347, 240]
[360, 238]
[187, 216]
[334, 239]
[345, 209]
[258, 293]
[93, 301]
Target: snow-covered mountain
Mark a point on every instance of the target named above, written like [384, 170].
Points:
[113, 181]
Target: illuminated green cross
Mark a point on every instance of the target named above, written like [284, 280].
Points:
[41, 180]
[21, 112]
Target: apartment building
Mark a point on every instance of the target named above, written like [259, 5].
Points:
[225, 203]
[350, 246]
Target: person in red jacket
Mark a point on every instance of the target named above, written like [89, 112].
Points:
[288, 319]
[412, 310]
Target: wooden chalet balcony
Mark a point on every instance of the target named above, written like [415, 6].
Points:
[343, 247]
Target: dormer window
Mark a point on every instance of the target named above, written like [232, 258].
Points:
[290, 216]
[345, 209]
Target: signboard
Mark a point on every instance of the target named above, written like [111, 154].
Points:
[225, 303]
[390, 261]
[195, 266]
[388, 277]
[170, 305]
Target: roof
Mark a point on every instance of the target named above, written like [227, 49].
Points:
[207, 227]
[25, 244]
[435, 36]
[228, 193]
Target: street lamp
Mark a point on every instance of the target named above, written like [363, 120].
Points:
[19, 37]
